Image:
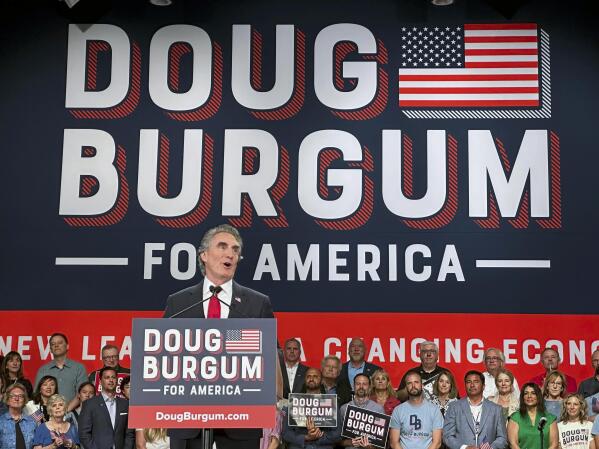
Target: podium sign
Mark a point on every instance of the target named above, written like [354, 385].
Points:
[206, 373]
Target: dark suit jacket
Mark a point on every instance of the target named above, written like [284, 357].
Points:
[458, 428]
[95, 427]
[369, 369]
[344, 385]
[298, 383]
[245, 303]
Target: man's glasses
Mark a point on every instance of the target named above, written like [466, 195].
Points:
[16, 396]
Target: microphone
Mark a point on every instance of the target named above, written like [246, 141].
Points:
[542, 423]
[214, 290]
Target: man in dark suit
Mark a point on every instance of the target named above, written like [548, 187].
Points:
[104, 419]
[218, 296]
[330, 367]
[356, 364]
[293, 371]
[474, 421]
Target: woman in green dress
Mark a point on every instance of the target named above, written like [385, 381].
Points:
[523, 429]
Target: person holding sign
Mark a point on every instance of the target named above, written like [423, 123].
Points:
[417, 423]
[218, 296]
[360, 400]
[310, 437]
[474, 422]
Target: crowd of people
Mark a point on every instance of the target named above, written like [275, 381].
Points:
[67, 408]
[548, 412]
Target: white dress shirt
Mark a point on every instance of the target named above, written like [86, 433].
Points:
[291, 371]
[225, 295]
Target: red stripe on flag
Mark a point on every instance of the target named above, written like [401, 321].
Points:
[452, 103]
[500, 64]
[500, 26]
[501, 51]
[506, 77]
[467, 90]
[482, 39]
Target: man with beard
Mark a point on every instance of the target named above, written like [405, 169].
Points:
[417, 423]
[110, 357]
[356, 364]
[473, 421]
[311, 437]
[550, 360]
[494, 362]
[361, 400]
[590, 386]
[428, 369]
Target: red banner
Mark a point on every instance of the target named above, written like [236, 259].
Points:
[391, 338]
[207, 416]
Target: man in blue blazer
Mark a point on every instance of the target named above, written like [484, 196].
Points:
[474, 422]
[103, 421]
[218, 296]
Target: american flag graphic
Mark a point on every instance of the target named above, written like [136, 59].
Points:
[38, 416]
[379, 421]
[477, 65]
[243, 341]
[326, 402]
[485, 444]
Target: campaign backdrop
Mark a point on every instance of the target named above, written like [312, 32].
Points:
[399, 171]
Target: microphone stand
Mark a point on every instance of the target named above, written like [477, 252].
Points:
[207, 435]
[541, 427]
[208, 438]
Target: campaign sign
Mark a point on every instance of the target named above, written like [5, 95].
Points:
[322, 408]
[359, 421]
[206, 373]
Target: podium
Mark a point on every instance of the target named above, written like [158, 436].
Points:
[193, 373]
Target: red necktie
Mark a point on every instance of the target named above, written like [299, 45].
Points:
[214, 303]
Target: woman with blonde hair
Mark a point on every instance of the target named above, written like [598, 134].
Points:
[554, 389]
[15, 398]
[151, 439]
[573, 428]
[507, 397]
[382, 392]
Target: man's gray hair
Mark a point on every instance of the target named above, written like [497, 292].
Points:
[209, 235]
[428, 343]
[498, 351]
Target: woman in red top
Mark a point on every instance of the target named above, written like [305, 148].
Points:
[382, 392]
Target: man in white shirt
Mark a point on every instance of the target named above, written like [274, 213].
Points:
[103, 422]
[293, 372]
[494, 361]
[474, 422]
